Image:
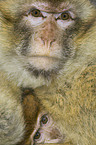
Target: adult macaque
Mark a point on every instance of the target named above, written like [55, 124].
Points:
[49, 46]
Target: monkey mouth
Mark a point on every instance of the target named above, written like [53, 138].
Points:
[44, 57]
[43, 62]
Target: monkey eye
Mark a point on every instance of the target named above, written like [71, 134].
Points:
[65, 16]
[37, 135]
[44, 119]
[36, 13]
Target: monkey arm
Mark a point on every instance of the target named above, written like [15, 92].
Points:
[11, 117]
[83, 106]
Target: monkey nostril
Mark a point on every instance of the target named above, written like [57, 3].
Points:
[46, 42]
[51, 42]
[55, 134]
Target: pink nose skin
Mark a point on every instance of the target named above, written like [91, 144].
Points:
[47, 43]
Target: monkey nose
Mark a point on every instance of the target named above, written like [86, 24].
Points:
[55, 134]
[48, 43]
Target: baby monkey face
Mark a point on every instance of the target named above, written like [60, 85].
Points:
[45, 131]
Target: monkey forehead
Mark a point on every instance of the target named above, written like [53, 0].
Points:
[50, 7]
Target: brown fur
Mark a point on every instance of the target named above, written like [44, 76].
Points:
[31, 108]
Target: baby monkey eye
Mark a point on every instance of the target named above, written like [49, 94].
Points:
[36, 13]
[44, 119]
[37, 135]
[65, 16]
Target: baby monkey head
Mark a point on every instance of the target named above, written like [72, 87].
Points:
[45, 131]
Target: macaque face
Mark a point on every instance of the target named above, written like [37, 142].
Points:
[38, 37]
[45, 131]
[47, 48]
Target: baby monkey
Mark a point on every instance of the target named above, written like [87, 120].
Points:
[40, 127]
[45, 131]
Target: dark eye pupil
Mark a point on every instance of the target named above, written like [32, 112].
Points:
[36, 13]
[37, 135]
[44, 119]
[64, 16]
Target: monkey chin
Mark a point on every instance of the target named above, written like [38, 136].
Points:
[44, 66]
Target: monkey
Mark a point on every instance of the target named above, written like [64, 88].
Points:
[48, 46]
[40, 127]
[45, 130]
